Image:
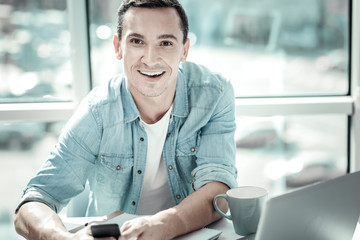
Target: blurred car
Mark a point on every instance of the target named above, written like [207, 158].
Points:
[20, 135]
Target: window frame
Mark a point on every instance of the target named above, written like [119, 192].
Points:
[257, 106]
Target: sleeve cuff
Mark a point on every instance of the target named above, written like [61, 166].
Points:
[37, 195]
[214, 173]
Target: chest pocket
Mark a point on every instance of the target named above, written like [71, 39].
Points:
[186, 155]
[114, 174]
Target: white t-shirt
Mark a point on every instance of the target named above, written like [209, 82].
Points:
[155, 195]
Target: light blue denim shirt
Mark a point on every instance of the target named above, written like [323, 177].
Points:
[105, 145]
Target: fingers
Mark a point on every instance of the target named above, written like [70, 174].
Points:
[135, 229]
[131, 230]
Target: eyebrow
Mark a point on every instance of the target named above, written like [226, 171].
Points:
[163, 36]
[167, 36]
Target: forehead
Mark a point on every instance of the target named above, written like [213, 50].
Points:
[153, 21]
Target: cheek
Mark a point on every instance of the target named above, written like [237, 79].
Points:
[130, 59]
[173, 58]
[132, 55]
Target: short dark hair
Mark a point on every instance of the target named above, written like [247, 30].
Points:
[126, 4]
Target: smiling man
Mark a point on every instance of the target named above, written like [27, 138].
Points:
[156, 141]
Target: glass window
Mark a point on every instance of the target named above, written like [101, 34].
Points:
[282, 153]
[104, 65]
[34, 51]
[267, 48]
[24, 146]
[273, 48]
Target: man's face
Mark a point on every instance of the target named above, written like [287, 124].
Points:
[152, 47]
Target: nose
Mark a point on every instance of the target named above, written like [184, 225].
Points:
[151, 56]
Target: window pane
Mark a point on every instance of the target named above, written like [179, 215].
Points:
[34, 51]
[281, 153]
[23, 148]
[104, 64]
[277, 47]
[266, 47]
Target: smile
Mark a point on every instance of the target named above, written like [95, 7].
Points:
[151, 74]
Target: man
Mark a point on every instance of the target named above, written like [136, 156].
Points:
[157, 140]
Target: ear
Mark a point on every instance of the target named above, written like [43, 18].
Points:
[117, 47]
[185, 51]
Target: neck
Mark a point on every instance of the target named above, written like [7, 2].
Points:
[152, 109]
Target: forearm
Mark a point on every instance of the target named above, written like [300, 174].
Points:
[194, 212]
[35, 220]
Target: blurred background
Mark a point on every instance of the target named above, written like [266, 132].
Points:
[268, 48]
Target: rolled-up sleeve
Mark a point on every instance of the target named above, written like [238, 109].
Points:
[216, 154]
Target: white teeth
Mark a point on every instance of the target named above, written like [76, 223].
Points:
[151, 74]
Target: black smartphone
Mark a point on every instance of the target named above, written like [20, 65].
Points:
[105, 230]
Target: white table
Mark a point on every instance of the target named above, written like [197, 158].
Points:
[227, 229]
[224, 225]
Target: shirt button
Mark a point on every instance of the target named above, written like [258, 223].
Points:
[170, 167]
[139, 171]
[142, 139]
[192, 149]
[133, 203]
[118, 167]
[178, 196]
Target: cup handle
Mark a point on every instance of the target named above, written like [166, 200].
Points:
[228, 216]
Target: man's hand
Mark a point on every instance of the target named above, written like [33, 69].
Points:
[36, 221]
[147, 227]
[194, 212]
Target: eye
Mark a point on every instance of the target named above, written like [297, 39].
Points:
[136, 41]
[166, 44]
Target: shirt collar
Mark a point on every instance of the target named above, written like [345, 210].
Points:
[129, 107]
[181, 105]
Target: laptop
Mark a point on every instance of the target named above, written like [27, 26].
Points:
[328, 210]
